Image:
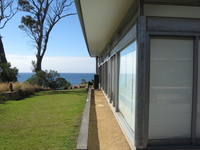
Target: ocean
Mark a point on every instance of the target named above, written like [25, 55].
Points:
[73, 78]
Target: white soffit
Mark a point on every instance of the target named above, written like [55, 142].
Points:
[101, 18]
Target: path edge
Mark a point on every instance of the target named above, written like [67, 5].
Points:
[82, 143]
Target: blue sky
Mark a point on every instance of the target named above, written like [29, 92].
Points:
[66, 51]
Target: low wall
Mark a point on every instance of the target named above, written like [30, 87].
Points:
[82, 143]
[11, 95]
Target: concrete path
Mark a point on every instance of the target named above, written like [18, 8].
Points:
[104, 131]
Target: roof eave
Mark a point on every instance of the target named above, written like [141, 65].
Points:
[80, 15]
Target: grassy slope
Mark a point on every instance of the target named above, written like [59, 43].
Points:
[48, 120]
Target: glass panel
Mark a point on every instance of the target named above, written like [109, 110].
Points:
[198, 100]
[113, 78]
[109, 78]
[127, 81]
[171, 82]
[171, 11]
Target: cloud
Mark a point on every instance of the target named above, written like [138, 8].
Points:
[60, 64]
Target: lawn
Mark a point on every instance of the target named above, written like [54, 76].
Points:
[48, 120]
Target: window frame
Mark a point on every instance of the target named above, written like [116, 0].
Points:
[171, 142]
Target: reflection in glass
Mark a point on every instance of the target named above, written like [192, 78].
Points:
[127, 82]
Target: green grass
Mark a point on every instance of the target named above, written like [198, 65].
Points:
[48, 120]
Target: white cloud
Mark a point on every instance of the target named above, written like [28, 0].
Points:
[60, 64]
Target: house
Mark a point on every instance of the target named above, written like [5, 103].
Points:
[148, 62]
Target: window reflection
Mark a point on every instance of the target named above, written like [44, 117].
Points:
[127, 81]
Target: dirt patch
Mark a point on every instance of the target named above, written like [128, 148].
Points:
[104, 131]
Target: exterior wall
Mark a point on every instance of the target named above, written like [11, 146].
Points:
[168, 116]
[142, 126]
[117, 77]
[178, 32]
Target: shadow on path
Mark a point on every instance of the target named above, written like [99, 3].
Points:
[93, 139]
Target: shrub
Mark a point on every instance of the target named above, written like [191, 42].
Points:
[3, 87]
[24, 89]
[90, 83]
[39, 78]
[62, 83]
[8, 74]
[49, 79]
[29, 89]
[83, 81]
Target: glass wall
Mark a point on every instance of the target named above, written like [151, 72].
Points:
[109, 78]
[113, 78]
[127, 84]
[171, 83]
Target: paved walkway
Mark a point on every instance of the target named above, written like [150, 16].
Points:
[104, 131]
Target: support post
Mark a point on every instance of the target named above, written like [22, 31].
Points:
[96, 81]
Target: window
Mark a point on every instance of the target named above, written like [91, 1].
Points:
[171, 83]
[127, 84]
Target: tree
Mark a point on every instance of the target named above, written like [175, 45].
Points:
[39, 78]
[8, 10]
[51, 77]
[43, 16]
[83, 81]
[8, 74]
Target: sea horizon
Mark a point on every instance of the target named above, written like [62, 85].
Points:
[61, 72]
[73, 78]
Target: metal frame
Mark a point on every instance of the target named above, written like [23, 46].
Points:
[194, 100]
[142, 85]
[144, 36]
[172, 2]
[117, 63]
[195, 90]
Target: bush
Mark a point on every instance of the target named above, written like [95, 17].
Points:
[90, 83]
[8, 74]
[62, 83]
[3, 87]
[83, 81]
[39, 78]
[24, 89]
[49, 79]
